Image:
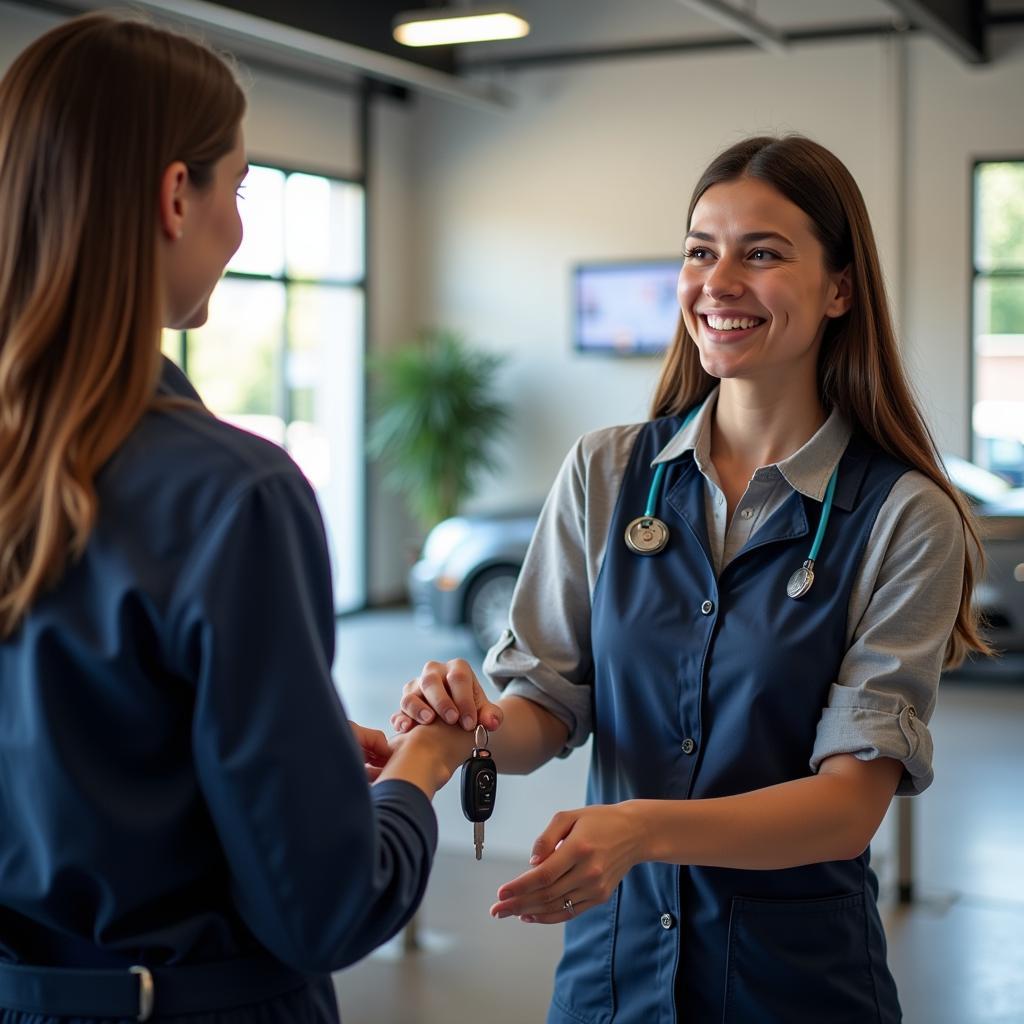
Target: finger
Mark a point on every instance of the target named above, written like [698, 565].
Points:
[416, 708]
[372, 773]
[401, 722]
[555, 917]
[557, 830]
[375, 746]
[537, 879]
[434, 690]
[489, 714]
[542, 901]
[465, 691]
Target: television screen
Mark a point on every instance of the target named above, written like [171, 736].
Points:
[627, 308]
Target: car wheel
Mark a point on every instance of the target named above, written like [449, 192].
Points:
[488, 602]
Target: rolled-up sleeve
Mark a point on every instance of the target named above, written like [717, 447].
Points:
[545, 655]
[902, 614]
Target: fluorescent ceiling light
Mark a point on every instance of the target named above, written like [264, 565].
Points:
[473, 25]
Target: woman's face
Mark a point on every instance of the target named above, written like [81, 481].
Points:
[754, 289]
[205, 232]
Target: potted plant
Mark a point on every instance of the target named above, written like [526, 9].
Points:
[436, 417]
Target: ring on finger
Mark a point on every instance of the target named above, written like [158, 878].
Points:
[568, 905]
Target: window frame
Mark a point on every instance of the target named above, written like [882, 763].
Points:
[974, 276]
[360, 283]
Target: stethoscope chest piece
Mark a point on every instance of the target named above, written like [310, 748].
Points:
[646, 535]
[802, 580]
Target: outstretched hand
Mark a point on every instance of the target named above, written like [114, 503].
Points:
[375, 747]
[580, 859]
[451, 690]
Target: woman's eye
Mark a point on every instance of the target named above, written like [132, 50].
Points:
[240, 192]
[761, 255]
[696, 253]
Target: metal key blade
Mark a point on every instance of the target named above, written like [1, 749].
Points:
[478, 838]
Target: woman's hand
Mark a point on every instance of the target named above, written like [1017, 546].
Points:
[375, 747]
[428, 757]
[581, 856]
[451, 690]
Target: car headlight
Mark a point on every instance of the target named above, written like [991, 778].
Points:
[444, 538]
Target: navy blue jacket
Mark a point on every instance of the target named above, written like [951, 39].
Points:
[178, 780]
[708, 687]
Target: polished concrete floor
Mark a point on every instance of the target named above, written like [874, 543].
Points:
[957, 952]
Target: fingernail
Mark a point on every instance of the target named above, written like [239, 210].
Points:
[467, 722]
[425, 716]
[403, 726]
[528, 918]
[535, 859]
[451, 717]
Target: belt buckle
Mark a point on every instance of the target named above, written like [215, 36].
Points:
[147, 992]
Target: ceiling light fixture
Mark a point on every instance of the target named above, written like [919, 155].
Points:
[458, 25]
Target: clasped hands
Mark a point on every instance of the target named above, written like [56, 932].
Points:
[581, 856]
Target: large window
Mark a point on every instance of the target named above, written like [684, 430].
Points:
[282, 352]
[998, 401]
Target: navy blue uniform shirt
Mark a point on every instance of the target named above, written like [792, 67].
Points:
[178, 780]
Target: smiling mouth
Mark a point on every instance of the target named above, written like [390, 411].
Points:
[723, 324]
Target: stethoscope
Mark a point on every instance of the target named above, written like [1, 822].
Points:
[647, 534]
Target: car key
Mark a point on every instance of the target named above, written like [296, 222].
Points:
[479, 785]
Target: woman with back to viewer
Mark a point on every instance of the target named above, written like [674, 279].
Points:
[187, 832]
[747, 601]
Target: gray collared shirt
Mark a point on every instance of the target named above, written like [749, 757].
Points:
[902, 607]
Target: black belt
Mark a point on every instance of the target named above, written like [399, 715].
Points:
[141, 992]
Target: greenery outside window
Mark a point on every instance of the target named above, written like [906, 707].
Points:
[282, 353]
[998, 331]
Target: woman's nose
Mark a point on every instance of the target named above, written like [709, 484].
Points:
[724, 281]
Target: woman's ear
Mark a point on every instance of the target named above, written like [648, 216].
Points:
[173, 200]
[841, 297]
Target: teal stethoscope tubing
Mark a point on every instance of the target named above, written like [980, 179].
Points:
[802, 579]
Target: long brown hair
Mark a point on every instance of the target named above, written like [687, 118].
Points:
[91, 114]
[860, 372]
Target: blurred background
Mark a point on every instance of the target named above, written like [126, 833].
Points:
[500, 223]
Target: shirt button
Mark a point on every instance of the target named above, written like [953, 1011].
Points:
[747, 512]
[707, 608]
[689, 746]
[667, 921]
[721, 499]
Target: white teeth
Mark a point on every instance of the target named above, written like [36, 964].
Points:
[731, 323]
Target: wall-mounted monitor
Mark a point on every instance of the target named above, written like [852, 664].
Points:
[626, 308]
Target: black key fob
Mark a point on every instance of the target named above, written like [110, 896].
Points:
[479, 785]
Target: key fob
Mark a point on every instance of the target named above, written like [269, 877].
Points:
[479, 785]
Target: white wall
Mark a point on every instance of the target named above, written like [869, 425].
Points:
[597, 161]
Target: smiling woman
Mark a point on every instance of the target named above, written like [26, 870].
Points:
[749, 728]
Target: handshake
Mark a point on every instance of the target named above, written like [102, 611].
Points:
[449, 698]
[579, 859]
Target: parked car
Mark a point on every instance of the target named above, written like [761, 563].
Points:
[1000, 511]
[469, 566]
[468, 570]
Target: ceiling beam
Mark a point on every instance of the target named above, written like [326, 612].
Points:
[753, 29]
[295, 50]
[959, 24]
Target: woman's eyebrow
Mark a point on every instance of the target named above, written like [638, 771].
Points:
[750, 236]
